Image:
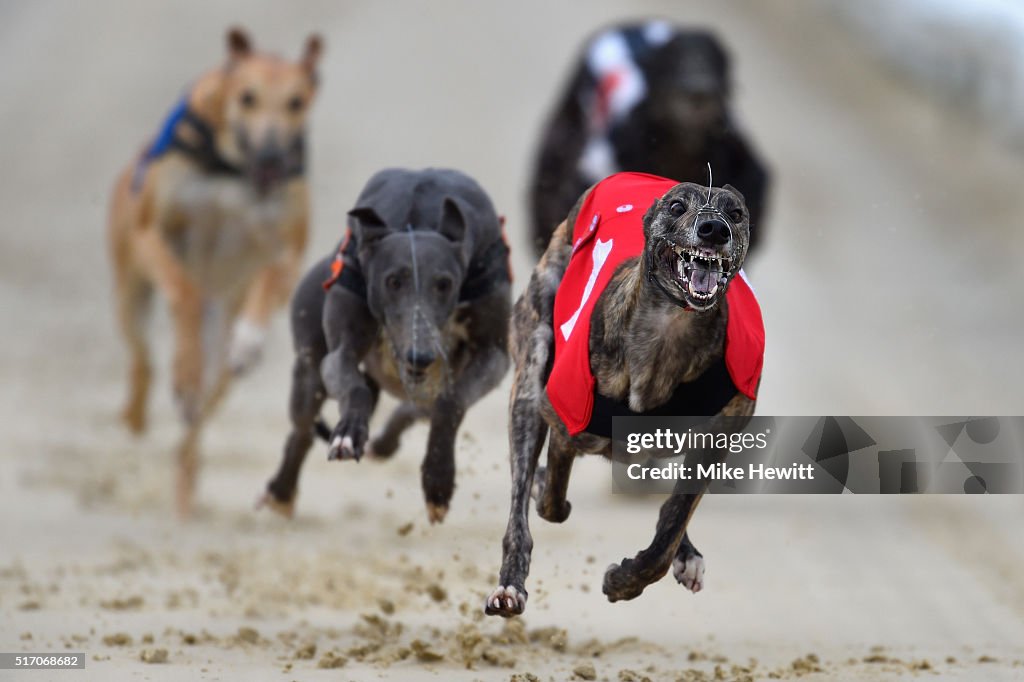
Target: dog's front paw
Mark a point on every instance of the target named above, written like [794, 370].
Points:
[689, 572]
[268, 499]
[134, 417]
[436, 512]
[382, 446]
[348, 439]
[621, 582]
[506, 601]
[246, 347]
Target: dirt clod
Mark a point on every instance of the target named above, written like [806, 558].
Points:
[331, 660]
[585, 671]
[118, 639]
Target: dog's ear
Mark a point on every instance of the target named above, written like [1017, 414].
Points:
[649, 215]
[311, 54]
[239, 45]
[453, 223]
[739, 195]
[367, 225]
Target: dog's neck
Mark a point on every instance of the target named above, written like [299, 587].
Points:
[648, 344]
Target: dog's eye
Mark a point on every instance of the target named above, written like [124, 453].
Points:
[736, 215]
[393, 282]
[295, 104]
[677, 208]
[443, 285]
[247, 99]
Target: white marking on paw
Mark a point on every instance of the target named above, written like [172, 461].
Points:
[336, 442]
[346, 443]
[246, 346]
[506, 601]
[689, 573]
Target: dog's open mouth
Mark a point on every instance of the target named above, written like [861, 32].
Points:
[700, 273]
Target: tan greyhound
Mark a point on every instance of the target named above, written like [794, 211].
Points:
[213, 214]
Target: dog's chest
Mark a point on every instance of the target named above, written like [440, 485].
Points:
[225, 232]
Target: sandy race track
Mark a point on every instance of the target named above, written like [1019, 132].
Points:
[890, 284]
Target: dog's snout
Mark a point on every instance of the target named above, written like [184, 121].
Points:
[419, 359]
[268, 166]
[714, 231]
[270, 156]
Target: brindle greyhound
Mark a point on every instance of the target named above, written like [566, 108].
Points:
[658, 327]
[415, 301]
[213, 216]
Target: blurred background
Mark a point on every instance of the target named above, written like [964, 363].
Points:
[889, 278]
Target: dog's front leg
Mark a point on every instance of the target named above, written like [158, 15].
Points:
[186, 306]
[268, 291]
[351, 331]
[487, 320]
[628, 579]
[484, 371]
[527, 430]
[438, 469]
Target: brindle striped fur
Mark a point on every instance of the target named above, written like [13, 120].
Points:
[641, 347]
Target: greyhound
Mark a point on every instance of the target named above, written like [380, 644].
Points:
[416, 301]
[213, 214]
[649, 97]
[638, 305]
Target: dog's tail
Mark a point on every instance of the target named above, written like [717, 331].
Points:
[323, 431]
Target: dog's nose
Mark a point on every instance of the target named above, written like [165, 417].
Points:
[714, 231]
[270, 157]
[419, 360]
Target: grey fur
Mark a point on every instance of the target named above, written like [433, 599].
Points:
[418, 233]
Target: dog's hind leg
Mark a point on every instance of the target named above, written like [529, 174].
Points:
[629, 578]
[688, 566]
[552, 482]
[307, 397]
[385, 443]
[134, 301]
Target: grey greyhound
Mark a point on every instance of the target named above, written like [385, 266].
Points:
[416, 301]
[637, 307]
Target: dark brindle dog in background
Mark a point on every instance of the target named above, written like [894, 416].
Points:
[646, 97]
[628, 312]
[415, 301]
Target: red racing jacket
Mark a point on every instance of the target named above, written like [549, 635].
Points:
[607, 232]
